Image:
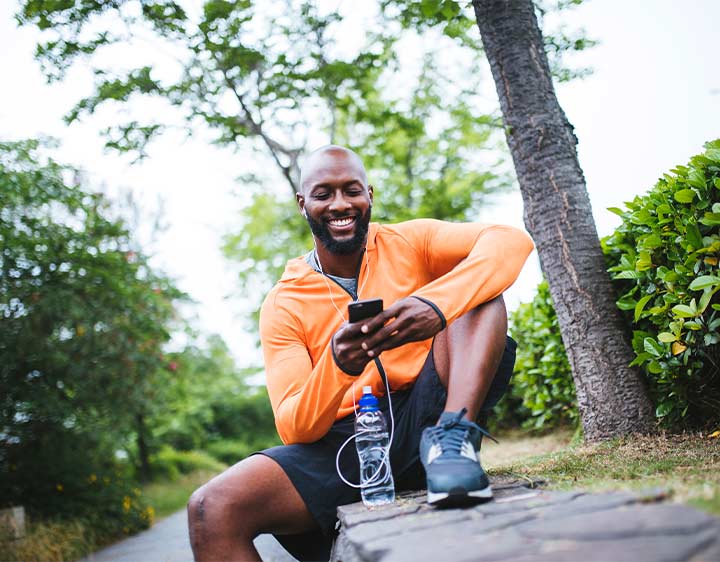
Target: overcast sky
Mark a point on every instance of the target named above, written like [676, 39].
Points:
[651, 104]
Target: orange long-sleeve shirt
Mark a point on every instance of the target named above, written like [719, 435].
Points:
[454, 266]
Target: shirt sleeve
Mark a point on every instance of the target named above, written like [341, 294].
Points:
[304, 399]
[470, 263]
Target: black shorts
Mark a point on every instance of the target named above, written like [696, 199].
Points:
[311, 466]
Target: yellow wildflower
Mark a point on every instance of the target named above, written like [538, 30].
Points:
[127, 502]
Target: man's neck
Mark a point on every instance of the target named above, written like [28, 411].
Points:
[339, 265]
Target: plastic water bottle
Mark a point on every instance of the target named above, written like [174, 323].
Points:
[372, 442]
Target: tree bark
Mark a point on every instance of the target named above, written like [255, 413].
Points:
[143, 452]
[612, 398]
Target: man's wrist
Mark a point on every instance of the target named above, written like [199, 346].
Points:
[435, 308]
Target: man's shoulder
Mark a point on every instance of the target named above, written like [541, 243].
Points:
[408, 229]
[296, 271]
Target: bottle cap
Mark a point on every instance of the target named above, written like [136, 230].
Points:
[368, 402]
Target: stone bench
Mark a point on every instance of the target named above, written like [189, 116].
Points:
[527, 523]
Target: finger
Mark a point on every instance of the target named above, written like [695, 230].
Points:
[349, 331]
[378, 321]
[390, 343]
[375, 323]
[392, 330]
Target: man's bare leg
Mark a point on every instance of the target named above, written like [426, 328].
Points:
[467, 354]
[252, 497]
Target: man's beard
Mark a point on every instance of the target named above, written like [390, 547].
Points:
[341, 247]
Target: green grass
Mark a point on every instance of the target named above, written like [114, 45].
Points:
[170, 496]
[686, 466]
[50, 541]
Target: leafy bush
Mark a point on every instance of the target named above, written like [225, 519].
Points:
[169, 463]
[84, 321]
[664, 257]
[82, 482]
[231, 451]
[542, 393]
[168, 497]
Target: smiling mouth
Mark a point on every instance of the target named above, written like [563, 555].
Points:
[339, 223]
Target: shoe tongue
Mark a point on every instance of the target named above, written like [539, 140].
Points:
[451, 419]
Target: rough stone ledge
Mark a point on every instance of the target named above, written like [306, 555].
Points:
[529, 524]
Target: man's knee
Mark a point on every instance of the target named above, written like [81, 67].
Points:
[490, 314]
[216, 507]
[196, 505]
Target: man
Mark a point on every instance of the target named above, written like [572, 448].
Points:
[440, 342]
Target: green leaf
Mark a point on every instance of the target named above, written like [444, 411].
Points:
[654, 367]
[704, 281]
[692, 235]
[627, 275]
[713, 154]
[626, 303]
[711, 219]
[429, 7]
[616, 210]
[683, 311]
[684, 196]
[663, 409]
[706, 297]
[644, 261]
[653, 347]
[640, 306]
[666, 337]
[651, 242]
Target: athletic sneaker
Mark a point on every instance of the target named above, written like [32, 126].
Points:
[449, 453]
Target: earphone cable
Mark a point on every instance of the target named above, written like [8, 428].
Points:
[376, 474]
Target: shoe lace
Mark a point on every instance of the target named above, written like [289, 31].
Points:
[451, 434]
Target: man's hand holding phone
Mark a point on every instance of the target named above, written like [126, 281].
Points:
[347, 341]
[374, 330]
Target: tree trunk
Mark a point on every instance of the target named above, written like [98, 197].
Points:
[143, 452]
[611, 396]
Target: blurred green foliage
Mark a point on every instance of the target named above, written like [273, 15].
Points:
[91, 401]
[84, 319]
[171, 463]
[210, 400]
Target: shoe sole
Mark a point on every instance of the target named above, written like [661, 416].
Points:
[456, 498]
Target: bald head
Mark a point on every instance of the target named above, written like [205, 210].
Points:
[331, 160]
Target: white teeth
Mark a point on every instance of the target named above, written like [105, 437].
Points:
[340, 222]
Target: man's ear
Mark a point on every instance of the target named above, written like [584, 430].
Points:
[301, 204]
[371, 190]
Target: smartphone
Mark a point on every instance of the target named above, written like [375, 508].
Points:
[360, 310]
